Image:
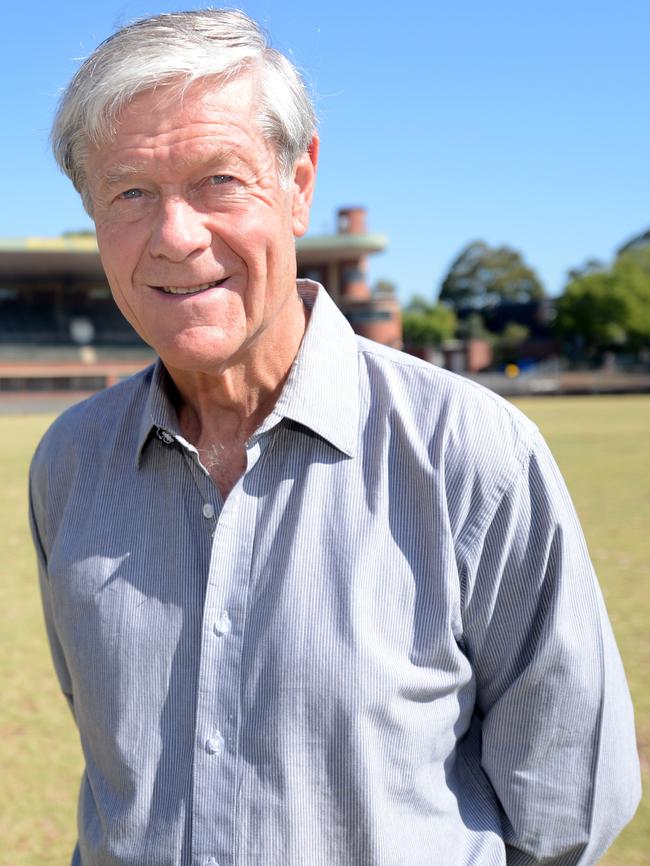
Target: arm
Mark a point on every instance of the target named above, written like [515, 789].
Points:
[55, 646]
[557, 728]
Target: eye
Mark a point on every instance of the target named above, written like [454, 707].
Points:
[131, 194]
[218, 179]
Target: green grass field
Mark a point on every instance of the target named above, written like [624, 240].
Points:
[601, 444]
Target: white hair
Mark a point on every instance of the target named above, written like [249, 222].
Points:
[180, 48]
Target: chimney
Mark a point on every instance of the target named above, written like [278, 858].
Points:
[352, 221]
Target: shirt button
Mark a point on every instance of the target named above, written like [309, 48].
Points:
[214, 744]
[164, 436]
[211, 862]
[223, 625]
[208, 511]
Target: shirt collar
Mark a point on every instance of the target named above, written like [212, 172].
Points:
[321, 391]
[159, 416]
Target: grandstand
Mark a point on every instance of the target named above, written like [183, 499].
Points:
[60, 329]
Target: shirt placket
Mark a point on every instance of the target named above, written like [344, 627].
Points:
[216, 747]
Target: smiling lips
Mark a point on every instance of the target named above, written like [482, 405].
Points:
[190, 290]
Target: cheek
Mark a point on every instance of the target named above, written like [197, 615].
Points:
[120, 285]
[120, 246]
[257, 227]
[120, 252]
[263, 245]
[118, 261]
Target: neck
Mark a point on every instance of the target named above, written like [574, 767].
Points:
[227, 407]
[218, 411]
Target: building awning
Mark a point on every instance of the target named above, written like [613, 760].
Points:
[52, 258]
[338, 248]
[77, 257]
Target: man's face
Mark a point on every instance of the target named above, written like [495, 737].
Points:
[195, 230]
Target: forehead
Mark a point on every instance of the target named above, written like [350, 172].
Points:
[179, 117]
[206, 98]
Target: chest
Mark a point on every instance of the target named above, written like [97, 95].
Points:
[316, 579]
[225, 463]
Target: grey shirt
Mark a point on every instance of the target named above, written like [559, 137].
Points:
[387, 646]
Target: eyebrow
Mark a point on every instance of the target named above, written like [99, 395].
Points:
[124, 171]
[118, 175]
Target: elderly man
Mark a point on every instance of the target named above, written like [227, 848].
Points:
[311, 601]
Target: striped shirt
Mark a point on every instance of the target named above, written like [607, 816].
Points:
[386, 647]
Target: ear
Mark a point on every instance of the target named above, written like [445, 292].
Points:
[304, 180]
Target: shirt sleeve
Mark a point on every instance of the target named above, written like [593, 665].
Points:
[558, 743]
[56, 649]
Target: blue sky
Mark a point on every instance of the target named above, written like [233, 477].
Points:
[524, 123]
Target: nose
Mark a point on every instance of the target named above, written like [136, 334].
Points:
[179, 231]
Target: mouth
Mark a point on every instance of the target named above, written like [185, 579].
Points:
[189, 290]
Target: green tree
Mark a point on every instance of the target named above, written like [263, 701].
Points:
[638, 255]
[607, 309]
[482, 276]
[508, 343]
[426, 324]
[591, 266]
[472, 327]
[637, 250]
[513, 335]
[419, 304]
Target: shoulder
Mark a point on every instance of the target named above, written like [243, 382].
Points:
[441, 404]
[474, 442]
[92, 428]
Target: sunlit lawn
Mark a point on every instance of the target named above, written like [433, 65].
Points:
[603, 447]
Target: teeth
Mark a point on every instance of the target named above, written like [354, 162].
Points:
[180, 290]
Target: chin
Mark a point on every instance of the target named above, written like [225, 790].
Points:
[205, 354]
